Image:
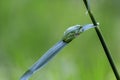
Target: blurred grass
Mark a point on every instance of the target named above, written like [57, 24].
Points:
[28, 28]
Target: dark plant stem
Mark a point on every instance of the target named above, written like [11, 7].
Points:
[107, 52]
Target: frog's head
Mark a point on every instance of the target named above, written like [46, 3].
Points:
[71, 33]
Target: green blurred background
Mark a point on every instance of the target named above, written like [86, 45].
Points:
[28, 28]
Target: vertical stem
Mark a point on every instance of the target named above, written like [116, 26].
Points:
[107, 52]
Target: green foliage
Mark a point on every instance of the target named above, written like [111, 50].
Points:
[28, 28]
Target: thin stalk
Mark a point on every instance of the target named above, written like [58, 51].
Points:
[44, 59]
[107, 52]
